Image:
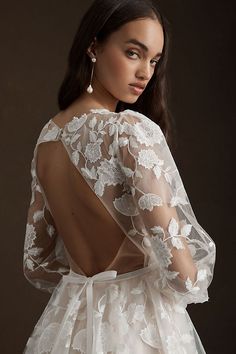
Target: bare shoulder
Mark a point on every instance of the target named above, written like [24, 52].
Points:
[61, 118]
[127, 116]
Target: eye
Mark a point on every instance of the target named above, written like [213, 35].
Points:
[131, 53]
[155, 61]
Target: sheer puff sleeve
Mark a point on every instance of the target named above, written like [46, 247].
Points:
[44, 260]
[162, 217]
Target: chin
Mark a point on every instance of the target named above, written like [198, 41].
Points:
[130, 100]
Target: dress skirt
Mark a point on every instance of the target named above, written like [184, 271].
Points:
[113, 314]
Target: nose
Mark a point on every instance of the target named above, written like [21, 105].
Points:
[144, 71]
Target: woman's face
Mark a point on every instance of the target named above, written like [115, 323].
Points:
[128, 57]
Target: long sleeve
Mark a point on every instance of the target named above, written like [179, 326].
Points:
[44, 261]
[183, 251]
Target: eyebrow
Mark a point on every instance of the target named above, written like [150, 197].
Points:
[140, 44]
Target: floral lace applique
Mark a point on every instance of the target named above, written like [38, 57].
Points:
[126, 161]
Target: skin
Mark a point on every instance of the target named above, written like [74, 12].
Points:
[119, 64]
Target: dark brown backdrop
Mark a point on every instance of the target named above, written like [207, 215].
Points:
[35, 38]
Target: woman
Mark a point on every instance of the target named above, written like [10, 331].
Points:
[110, 229]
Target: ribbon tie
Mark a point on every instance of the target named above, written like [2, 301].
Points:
[88, 281]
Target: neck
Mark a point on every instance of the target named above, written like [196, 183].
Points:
[99, 98]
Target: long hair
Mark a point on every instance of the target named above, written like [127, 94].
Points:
[101, 19]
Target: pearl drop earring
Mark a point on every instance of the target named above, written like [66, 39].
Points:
[89, 88]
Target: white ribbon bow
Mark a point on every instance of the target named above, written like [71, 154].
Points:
[88, 281]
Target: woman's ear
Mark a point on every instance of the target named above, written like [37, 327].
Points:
[91, 51]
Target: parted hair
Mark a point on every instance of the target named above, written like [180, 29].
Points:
[101, 19]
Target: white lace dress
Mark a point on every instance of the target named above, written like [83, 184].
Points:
[165, 261]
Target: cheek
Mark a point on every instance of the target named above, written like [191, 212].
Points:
[114, 66]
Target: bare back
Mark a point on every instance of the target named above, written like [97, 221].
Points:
[94, 241]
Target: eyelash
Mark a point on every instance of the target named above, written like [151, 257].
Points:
[131, 51]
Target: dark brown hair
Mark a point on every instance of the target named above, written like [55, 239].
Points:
[101, 19]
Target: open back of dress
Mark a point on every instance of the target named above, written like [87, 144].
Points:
[93, 240]
[108, 201]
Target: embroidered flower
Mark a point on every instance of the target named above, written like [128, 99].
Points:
[29, 263]
[173, 229]
[38, 215]
[149, 200]
[76, 123]
[148, 158]
[125, 205]
[161, 250]
[148, 133]
[93, 152]
[110, 172]
[50, 230]
[75, 157]
[51, 134]
[30, 236]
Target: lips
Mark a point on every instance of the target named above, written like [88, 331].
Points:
[138, 85]
[136, 90]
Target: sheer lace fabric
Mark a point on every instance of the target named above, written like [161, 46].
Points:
[107, 196]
